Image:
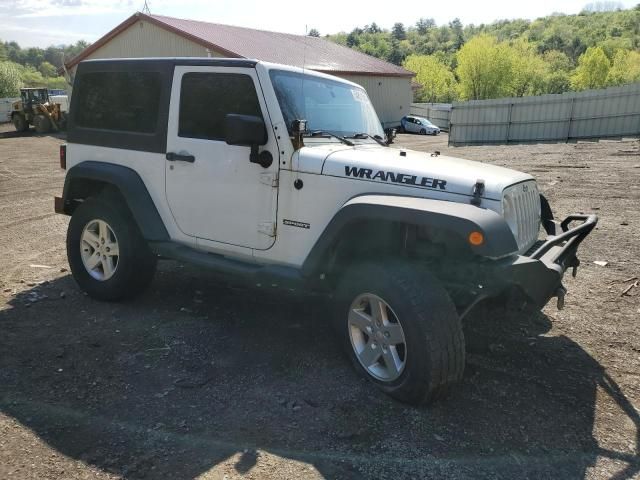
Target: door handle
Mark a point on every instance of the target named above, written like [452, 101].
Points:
[175, 157]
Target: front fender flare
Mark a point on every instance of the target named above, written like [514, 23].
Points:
[458, 219]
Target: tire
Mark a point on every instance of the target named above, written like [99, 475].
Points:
[432, 357]
[423, 132]
[117, 276]
[401, 129]
[63, 120]
[42, 124]
[20, 123]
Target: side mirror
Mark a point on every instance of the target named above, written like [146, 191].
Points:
[248, 131]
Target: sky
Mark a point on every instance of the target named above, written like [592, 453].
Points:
[42, 23]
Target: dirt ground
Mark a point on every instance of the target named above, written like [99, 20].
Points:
[200, 379]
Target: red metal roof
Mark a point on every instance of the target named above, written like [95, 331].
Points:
[311, 52]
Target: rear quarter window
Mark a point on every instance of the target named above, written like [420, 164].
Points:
[121, 101]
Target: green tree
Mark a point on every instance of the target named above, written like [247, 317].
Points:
[528, 69]
[398, 52]
[592, 71]
[313, 33]
[398, 32]
[34, 56]
[458, 35]
[424, 25]
[32, 77]
[47, 70]
[58, 83]
[625, 68]
[558, 72]
[373, 28]
[484, 68]
[437, 82]
[10, 80]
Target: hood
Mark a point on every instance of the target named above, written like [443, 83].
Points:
[416, 169]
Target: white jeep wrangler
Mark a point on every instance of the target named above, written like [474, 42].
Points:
[279, 175]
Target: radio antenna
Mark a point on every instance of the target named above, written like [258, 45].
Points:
[304, 50]
[145, 8]
[304, 64]
[304, 103]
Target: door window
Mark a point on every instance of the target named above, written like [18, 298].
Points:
[207, 98]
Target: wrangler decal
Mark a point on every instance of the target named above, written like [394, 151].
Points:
[404, 178]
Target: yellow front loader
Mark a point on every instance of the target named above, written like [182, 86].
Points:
[35, 108]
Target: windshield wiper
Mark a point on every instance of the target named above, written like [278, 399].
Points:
[377, 138]
[322, 133]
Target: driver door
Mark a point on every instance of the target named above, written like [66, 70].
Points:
[212, 189]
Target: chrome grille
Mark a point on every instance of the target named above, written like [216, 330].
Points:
[524, 204]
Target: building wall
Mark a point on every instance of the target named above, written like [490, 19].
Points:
[143, 39]
[391, 96]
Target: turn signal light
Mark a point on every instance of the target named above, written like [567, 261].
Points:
[476, 238]
[63, 157]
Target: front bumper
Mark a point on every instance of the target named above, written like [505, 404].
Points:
[539, 272]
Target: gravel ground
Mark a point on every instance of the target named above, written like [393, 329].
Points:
[201, 379]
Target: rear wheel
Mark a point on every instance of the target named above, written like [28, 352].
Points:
[20, 123]
[42, 124]
[401, 331]
[108, 257]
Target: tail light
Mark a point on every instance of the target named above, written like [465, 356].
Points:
[63, 157]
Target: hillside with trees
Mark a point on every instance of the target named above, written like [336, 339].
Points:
[33, 67]
[597, 48]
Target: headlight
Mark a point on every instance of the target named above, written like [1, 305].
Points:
[509, 214]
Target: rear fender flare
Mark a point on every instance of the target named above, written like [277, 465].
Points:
[128, 183]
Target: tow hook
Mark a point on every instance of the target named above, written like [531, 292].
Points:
[560, 293]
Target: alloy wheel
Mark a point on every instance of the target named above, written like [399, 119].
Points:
[99, 250]
[377, 337]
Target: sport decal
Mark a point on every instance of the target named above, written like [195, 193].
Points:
[295, 223]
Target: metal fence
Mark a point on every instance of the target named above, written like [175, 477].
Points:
[612, 112]
[5, 109]
[438, 113]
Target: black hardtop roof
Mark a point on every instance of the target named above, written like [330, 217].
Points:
[191, 61]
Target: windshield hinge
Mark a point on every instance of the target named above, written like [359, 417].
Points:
[269, 178]
[267, 228]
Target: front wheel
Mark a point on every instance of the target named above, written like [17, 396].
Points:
[401, 331]
[423, 132]
[42, 124]
[20, 123]
[108, 257]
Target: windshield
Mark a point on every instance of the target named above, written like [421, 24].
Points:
[426, 122]
[326, 105]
